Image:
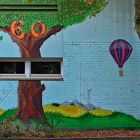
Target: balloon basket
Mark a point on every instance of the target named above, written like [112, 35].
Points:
[120, 72]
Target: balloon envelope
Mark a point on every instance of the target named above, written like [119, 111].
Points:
[120, 50]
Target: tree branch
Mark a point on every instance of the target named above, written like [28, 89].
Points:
[4, 29]
[49, 33]
[7, 30]
[52, 31]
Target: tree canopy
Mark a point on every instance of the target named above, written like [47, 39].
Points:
[69, 12]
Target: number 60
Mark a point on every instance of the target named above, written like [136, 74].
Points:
[37, 29]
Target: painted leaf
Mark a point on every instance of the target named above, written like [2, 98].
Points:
[1, 38]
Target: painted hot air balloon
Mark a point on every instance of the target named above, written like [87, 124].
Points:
[120, 51]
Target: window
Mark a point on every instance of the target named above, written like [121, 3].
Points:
[45, 68]
[12, 67]
[33, 69]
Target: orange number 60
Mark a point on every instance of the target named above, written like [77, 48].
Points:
[18, 32]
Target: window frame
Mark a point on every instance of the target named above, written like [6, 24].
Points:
[27, 75]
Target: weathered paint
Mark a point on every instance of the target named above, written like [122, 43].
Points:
[87, 62]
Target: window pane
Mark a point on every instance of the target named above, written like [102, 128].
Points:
[12, 67]
[45, 67]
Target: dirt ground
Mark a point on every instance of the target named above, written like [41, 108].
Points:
[106, 133]
[90, 134]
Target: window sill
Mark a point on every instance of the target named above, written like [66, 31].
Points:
[50, 77]
[46, 77]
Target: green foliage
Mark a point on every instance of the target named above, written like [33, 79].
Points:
[69, 12]
[11, 126]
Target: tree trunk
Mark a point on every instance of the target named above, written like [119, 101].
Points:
[30, 92]
[30, 100]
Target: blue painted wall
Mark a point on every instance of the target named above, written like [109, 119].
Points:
[88, 63]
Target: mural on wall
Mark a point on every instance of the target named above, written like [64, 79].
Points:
[65, 109]
[31, 38]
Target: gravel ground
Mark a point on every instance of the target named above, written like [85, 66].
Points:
[106, 133]
[93, 134]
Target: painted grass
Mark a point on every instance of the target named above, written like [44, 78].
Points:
[116, 120]
[72, 110]
[65, 110]
[1, 111]
[7, 114]
[75, 111]
[100, 112]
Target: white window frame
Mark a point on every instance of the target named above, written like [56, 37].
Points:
[27, 75]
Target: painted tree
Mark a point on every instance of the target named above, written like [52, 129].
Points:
[29, 30]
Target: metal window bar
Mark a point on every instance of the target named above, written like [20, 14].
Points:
[27, 7]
